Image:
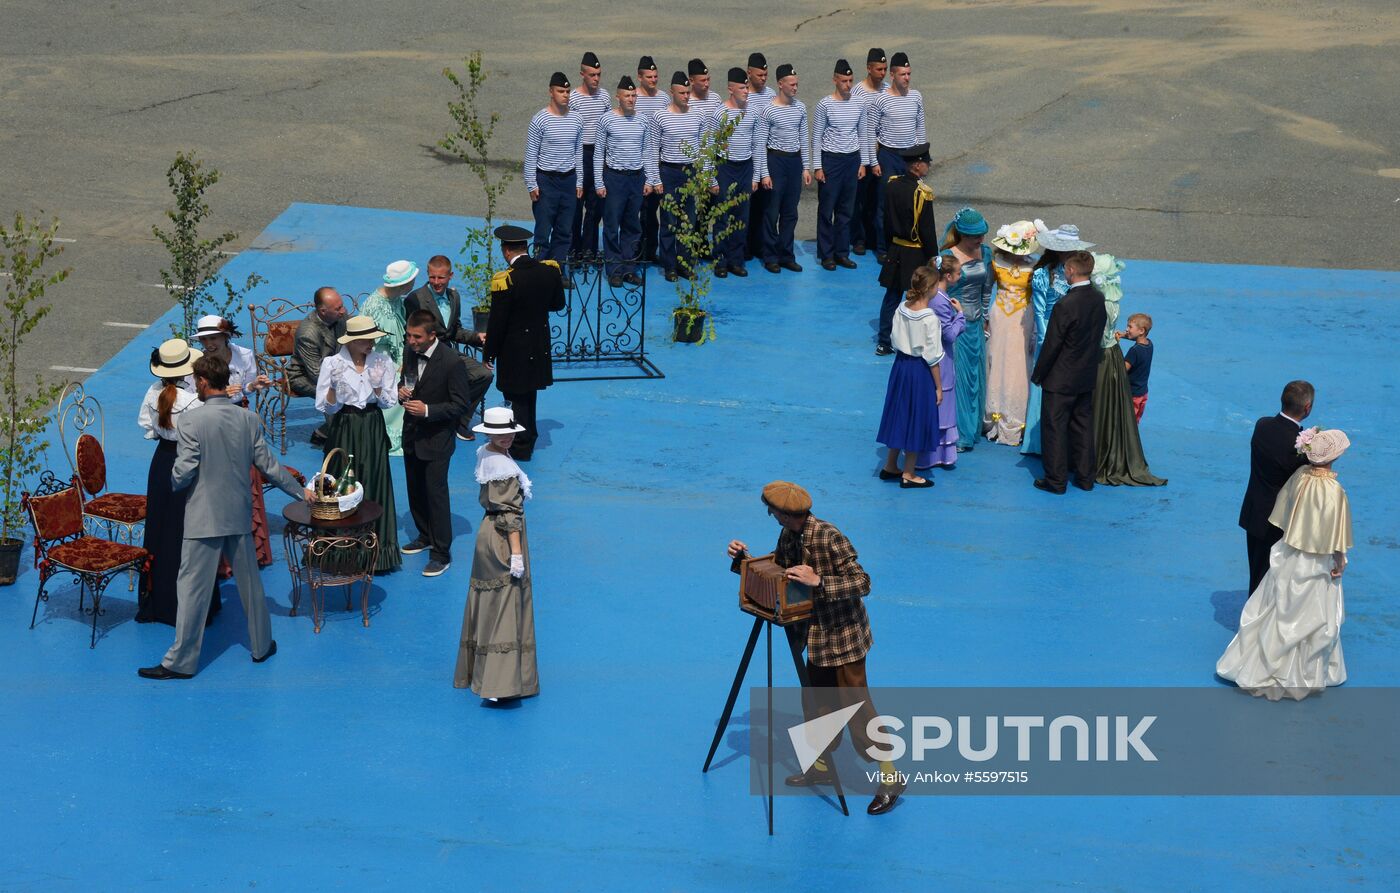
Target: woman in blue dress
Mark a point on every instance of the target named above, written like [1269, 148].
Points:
[973, 289]
[1048, 285]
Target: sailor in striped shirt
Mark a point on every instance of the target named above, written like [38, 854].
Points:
[673, 138]
[836, 156]
[783, 169]
[735, 176]
[894, 121]
[621, 137]
[865, 225]
[649, 101]
[703, 100]
[554, 170]
[760, 94]
[591, 102]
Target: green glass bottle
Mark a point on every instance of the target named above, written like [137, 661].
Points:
[347, 480]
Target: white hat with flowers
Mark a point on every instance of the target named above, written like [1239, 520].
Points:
[1017, 238]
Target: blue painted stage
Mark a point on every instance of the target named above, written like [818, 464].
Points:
[348, 761]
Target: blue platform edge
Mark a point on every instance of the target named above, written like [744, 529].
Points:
[350, 762]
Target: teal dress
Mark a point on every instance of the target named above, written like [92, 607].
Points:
[973, 290]
[388, 314]
[1047, 287]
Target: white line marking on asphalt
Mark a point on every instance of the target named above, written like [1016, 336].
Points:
[71, 369]
[128, 325]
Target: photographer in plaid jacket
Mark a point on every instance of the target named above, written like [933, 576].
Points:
[837, 637]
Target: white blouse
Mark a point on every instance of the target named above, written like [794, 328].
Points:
[917, 333]
[242, 367]
[149, 416]
[354, 388]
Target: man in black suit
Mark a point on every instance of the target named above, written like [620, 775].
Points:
[517, 337]
[1272, 460]
[434, 398]
[440, 299]
[1067, 372]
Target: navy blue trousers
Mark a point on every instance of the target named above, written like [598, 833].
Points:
[671, 253]
[780, 217]
[865, 226]
[622, 220]
[588, 212]
[554, 215]
[836, 199]
[890, 164]
[739, 176]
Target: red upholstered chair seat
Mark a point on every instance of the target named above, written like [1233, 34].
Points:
[92, 555]
[281, 338]
[127, 508]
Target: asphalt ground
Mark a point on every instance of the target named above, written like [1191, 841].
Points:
[1255, 132]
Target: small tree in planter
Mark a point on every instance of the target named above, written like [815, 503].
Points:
[194, 260]
[699, 236]
[470, 141]
[24, 249]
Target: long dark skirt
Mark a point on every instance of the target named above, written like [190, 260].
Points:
[1117, 443]
[361, 432]
[909, 421]
[165, 535]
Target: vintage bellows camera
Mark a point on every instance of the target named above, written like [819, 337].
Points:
[765, 591]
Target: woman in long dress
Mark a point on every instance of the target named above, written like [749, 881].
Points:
[496, 653]
[973, 290]
[216, 336]
[1289, 642]
[1009, 339]
[166, 400]
[355, 386]
[385, 307]
[1048, 285]
[952, 324]
[1117, 443]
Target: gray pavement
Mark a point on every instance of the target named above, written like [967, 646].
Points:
[1227, 131]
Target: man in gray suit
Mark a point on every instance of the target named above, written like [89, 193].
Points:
[219, 442]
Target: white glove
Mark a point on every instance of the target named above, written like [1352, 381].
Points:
[517, 566]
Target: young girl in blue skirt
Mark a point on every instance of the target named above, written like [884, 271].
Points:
[915, 390]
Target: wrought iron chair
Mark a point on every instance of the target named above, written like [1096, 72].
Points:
[118, 514]
[61, 546]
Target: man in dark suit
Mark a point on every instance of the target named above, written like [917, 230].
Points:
[912, 234]
[517, 338]
[440, 299]
[1272, 460]
[1067, 372]
[434, 397]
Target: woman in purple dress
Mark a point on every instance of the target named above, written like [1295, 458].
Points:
[950, 315]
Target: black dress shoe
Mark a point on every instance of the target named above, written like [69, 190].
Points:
[318, 437]
[632, 279]
[846, 262]
[915, 485]
[741, 272]
[882, 350]
[271, 650]
[791, 265]
[1089, 485]
[828, 264]
[808, 779]
[858, 249]
[890, 475]
[160, 671]
[1043, 484]
[882, 258]
[772, 268]
[721, 272]
[413, 548]
[885, 798]
[671, 276]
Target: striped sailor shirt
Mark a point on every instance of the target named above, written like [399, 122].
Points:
[836, 128]
[862, 93]
[894, 121]
[757, 100]
[782, 127]
[741, 139]
[591, 107]
[554, 143]
[620, 142]
[706, 106]
[671, 137]
[650, 105]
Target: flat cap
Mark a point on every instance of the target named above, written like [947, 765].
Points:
[680, 80]
[737, 76]
[785, 70]
[509, 233]
[786, 496]
[625, 83]
[696, 66]
[646, 64]
[756, 60]
[899, 60]
[842, 67]
[558, 79]
[876, 54]
[590, 60]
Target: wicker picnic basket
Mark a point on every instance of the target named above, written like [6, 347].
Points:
[333, 508]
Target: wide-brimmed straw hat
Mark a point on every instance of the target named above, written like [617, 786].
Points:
[173, 359]
[1017, 238]
[1064, 237]
[400, 272]
[498, 420]
[361, 328]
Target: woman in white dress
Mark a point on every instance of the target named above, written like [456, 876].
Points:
[1289, 643]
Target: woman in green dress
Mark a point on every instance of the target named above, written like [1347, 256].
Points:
[385, 307]
[496, 653]
[1117, 444]
[356, 385]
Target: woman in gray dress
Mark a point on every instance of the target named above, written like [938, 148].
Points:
[496, 653]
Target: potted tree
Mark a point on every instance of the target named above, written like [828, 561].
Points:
[24, 249]
[470, 143]
[699, 236]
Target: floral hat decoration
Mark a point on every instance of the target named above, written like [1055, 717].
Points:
[1017, 238]
[1321, 445]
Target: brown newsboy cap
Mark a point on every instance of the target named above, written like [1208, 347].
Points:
[786, 496]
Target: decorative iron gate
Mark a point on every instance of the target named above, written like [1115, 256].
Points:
[601, 331]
